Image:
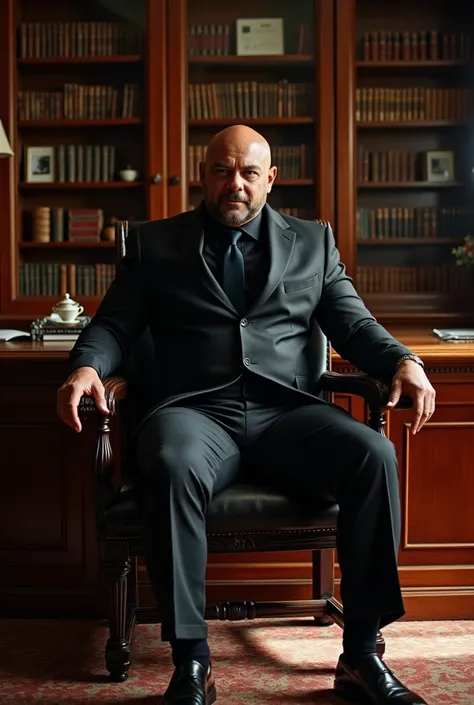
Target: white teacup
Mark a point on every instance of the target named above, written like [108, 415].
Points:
[68, 310]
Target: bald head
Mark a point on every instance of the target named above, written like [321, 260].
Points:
[239, 139]
[237, 174]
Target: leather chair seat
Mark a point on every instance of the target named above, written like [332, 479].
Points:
[240, 508]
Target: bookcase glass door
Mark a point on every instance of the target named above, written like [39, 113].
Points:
[81, 122]
[276, 93]
[412, 161]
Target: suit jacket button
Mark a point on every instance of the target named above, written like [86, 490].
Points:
[246, 361]
[244, 322]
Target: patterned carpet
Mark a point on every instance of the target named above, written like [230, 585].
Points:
[261, 662]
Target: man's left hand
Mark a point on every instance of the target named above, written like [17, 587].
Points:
[410, 378]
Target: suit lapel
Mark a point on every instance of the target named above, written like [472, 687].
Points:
[192, 248]
[281, 241]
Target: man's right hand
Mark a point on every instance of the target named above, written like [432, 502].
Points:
[84, 380]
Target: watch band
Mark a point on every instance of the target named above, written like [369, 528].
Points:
[410, 356]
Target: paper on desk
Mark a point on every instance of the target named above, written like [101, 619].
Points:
[10, 333]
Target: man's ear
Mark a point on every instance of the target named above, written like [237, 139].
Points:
[272, 174]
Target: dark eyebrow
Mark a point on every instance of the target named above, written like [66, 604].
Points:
[223, 165]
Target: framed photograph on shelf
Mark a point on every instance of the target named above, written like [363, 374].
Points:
[39, 165]
[439, 166]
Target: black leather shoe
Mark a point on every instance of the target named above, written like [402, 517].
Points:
[191, 685]
[373, 682]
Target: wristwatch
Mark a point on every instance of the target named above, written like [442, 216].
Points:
[410, 356]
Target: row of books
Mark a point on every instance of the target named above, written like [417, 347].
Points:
[44, 40]
[81, 102]
[250, 99]
[415, 103]
[410, 280]
[414, 222]
[54, 279]
[418, 45]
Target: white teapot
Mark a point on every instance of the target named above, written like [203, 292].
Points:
[68, 310]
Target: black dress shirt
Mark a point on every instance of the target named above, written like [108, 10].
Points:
[253, 245]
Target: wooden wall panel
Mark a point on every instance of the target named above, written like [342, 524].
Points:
[47, 544]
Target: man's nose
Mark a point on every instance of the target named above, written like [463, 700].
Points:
[235, 182]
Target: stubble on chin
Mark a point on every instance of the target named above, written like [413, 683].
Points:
[235, 217]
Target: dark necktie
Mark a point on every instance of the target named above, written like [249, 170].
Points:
[233, 272]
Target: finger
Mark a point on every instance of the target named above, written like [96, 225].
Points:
[431, 405]
[71, 413]
[427, 412]
[418, 410]
[395, 394]
[99, 398]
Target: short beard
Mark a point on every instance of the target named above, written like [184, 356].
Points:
[235, 218]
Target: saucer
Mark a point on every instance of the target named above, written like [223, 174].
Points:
[56, 318]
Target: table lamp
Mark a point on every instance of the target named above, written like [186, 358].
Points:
[5, 149]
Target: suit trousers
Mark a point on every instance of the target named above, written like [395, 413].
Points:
[188, 452]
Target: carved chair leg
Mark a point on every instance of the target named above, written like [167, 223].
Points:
[380, 644]
[323, 582]
[115, 569]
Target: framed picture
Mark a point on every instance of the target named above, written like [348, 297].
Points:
[439, 166]
[39, 165]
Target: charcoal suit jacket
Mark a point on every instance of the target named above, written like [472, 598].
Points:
[200, 341]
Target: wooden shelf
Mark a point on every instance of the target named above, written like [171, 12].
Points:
[229, 60]
[409, 185]
[407, 124]
[53, 299]
[65, 245]
[278, 182]
[64, 60]
[72, 185]
[399, 241]
[429, 64]
[105, 122]
[252, 121]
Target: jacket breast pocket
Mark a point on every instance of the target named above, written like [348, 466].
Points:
[301, 284]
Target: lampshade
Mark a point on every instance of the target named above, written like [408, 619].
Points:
[5, 149]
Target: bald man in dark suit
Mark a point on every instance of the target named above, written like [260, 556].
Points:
[231, 293]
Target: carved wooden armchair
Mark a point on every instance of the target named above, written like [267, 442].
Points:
[242, 518]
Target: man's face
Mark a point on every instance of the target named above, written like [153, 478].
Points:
[236, 181]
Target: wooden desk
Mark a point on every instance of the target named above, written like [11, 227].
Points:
[436, 558]
[47, 545]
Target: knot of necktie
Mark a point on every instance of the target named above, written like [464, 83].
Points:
[233, 236]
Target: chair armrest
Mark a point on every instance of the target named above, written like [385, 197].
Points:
[115, 389]
[375, 393]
